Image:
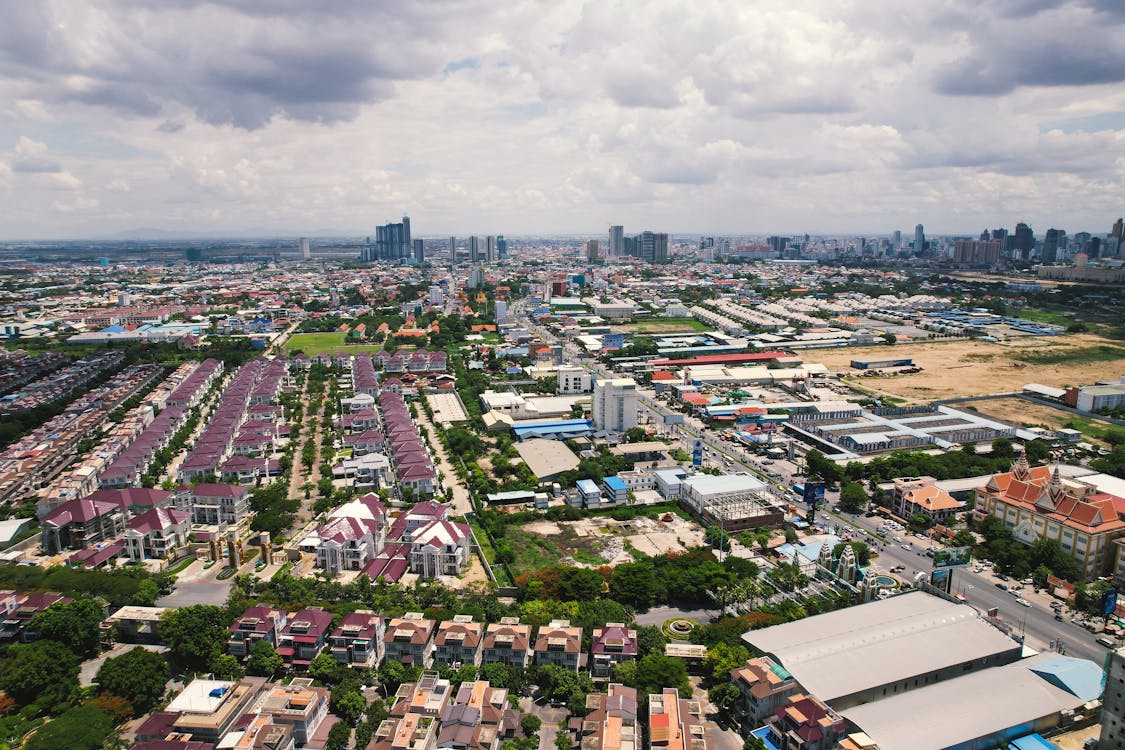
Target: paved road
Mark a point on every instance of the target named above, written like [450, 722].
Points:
[461, 503]
[658, 615]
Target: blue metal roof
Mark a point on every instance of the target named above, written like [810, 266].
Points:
[588, 487]
[1081, 678]
[615, 484]
[1031, 742]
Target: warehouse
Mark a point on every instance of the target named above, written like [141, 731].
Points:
[879, 364]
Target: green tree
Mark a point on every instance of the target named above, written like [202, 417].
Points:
[194, 635]
[853, 498]
[634, 584]
[338, 736]
[264, 660]
[1037, 451]
[326, 669]
[580, 584]
[530, 724]
[147, 593]
[226, 667]
[75, 625]
[81, 728]
[964, 538]
[45, 672]
[657, 671]
[563, 740]
[649, 639]
[722, 658]
[347, 702]
[139, 676]
[754, 743]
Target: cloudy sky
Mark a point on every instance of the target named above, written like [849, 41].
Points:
[562, 116]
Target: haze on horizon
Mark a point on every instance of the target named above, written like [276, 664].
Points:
[481, 116]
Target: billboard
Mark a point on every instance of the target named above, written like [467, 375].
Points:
[952, 557]
[1109, 603]
[942, 579]
[697, 453]
[813, 493]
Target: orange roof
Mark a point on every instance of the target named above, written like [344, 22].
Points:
[933, 498]
[663, 375]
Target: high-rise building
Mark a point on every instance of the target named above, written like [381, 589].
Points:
[419, 252]
[501, 311]
[474, 249]
[490, 249]
[977, 252]
[616, 241]
[592, 251]
[1023, 241]
[615, 404]
[1113, 703]
[649, 246]
[392, 242]
[919, 240]
[501, 247]
[306, 248]
[1051, 239]
[1118, 234]
[476, 277]
[452, 253]
[777, 244]
[896, 240]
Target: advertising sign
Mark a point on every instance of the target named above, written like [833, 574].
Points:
[941, 579]
[813, 493]
[952, 557]
[1109, 603]
[697, 453]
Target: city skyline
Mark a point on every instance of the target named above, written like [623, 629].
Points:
[480, 117]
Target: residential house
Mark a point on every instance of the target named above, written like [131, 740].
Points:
[298, 705]
[353, 535]
[611, 646]
[257, 623]
[358, 640]
[479, 718]
[304, 636]
[440, 548]
[458, 641]
[677, 724]
[212, 504]
[763, 686]
[610, 722]
[559, 643]
[81, 523]
[507, 642]
[157, 534]
[804, 722]
[409, 639]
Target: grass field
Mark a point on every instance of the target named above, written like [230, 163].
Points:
[669, 325]
[313, 344]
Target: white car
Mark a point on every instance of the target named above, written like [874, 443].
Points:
[1023, 602]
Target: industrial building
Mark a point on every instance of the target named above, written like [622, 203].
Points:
[867, 653]
[733, 502]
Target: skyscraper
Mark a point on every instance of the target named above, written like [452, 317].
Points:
[474, 249]
[615, 404]
[592, 251]
[616, 241]
[1118, 235]
[777, 244]
[1023, 241]
[919, 240]
[1051, 245]
[419, 252]
[452, 253]
[392, 241]
[490, 249]
[650, 246]
[896, 240]
[501, 247]
[306, 248]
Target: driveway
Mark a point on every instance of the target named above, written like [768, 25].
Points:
[550, 718]
[657, 615]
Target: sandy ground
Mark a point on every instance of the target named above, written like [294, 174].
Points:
[1022, 413]
[645, 534]
[971, 368]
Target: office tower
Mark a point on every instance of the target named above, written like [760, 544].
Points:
[1095, 248]
[1081, 242]
[392, 241]
[1023, 242]
[919, 240]
[306, 249]
[419, 252]
[490, 249]
[452, 253]
[896, 239]
[474, 249]
[616, 241]
[501, 247]
[777, 244]
[592, 251]
[706, 242]
[1051, 243]
[1118, 234]
[501, 311]
[615, 404]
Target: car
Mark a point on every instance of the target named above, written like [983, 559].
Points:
[905, 546]
[1056, 606]
[1106, 641]
[1023, 602]
[1001, 586]
[930, 553]
[1059, 617]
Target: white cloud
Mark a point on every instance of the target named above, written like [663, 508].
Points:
[524, 116]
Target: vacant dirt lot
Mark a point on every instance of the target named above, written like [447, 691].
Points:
[973, 368]
[598, 541]
[1023, 413]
